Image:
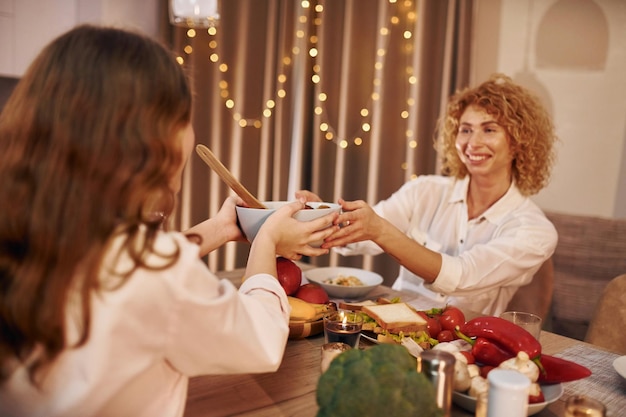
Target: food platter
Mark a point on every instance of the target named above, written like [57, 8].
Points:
[551, 393]
[620, 366]
[302, 329]
[369, 279]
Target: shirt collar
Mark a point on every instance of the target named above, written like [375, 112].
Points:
[510, 200]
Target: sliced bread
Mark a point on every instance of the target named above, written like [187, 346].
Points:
[396, 317]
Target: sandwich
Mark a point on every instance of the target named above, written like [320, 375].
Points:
[394, 321]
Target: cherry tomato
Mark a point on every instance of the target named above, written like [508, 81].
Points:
[432, 324]
[445, 336]
[451, 317]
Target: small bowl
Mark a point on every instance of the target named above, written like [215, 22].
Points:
[369, 279]
[251, 219]
[302, 329]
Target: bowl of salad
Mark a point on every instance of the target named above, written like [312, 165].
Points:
[344, 282]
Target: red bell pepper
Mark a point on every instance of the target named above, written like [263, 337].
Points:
[484, 350]
[489, 353]
[509, 336]
[557, 370]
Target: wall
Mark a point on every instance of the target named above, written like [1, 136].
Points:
[572, 54]
[26, 26]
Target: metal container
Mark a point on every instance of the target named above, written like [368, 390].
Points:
[438, 367]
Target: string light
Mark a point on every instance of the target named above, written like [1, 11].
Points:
[402, 13]
[404, 10]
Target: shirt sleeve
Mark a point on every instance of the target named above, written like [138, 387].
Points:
[519, 247]
[214, 328]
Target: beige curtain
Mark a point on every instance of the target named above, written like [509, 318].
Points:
[337, 96]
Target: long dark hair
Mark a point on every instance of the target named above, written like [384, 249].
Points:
[89, 141]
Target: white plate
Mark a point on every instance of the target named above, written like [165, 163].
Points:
[369, 279]
[620, 366]
[551, 393]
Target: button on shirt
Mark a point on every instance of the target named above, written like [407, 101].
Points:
[484, 260]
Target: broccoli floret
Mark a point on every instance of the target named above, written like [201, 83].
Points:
[379, 381]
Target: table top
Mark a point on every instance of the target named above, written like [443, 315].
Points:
[291, 390]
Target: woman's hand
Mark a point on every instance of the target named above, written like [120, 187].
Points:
[227, 219]
[216, 231]
[358, 222]
[308, 196]
[291, 237]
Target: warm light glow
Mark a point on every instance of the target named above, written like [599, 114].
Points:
[191, 33]
[317, 110]
[412, 144]
[313, 52]
[270, 104]
[188, 49]
[324, 127]
[322, 96]
[180, 60]
[366, 127]
[214, 58]
[230, 104]
[343, 144]
[315, 78]
[358, 141]
[365, 112]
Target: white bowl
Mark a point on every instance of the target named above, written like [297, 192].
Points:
[551, 393]
[251, 219]
[369, 279]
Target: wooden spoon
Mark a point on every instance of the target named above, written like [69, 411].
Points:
[226, 176]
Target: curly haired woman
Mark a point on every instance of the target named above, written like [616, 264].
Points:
[472, 236]
[103, 311]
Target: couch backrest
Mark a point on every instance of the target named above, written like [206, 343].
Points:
[591, 251]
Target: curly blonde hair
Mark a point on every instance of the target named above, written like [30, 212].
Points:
[528, 126]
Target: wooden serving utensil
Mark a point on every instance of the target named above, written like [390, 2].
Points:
[226, 176]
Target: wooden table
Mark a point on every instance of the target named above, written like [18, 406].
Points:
[291, 390]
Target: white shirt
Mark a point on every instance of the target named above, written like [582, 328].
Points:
[148, 336]
[485, 260]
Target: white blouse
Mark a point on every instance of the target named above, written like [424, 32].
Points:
[150, 335]
[485, 260]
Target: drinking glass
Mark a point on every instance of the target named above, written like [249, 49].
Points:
[529, 321]
[344, 327]
[582, 406]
